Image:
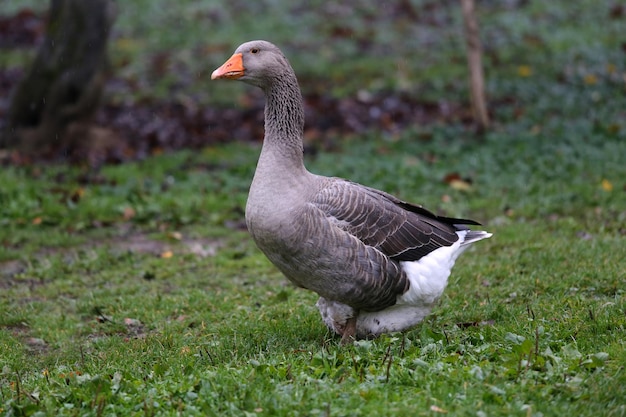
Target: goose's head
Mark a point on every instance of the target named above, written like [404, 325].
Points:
[256, 62]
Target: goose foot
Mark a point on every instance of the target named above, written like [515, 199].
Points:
[349, 332]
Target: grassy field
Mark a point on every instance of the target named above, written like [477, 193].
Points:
[135, 290]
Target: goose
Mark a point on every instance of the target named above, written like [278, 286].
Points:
[378, 263]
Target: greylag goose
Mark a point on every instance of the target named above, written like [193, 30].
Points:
[379, 264]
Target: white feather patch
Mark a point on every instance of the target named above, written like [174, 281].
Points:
[429, 275]
[428, 278]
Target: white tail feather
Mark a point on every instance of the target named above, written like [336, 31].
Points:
[472, 236]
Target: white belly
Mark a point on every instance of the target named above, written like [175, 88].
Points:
[428, 278]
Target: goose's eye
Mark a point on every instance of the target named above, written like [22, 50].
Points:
[254, 50]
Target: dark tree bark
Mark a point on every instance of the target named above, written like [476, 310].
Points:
[52, 107]
[474, 60]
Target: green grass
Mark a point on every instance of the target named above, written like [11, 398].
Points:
[225, 334]
[134, 290]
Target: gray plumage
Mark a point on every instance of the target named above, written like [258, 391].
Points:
[349, 243]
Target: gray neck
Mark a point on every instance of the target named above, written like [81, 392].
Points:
[284, 119]
[280, 178]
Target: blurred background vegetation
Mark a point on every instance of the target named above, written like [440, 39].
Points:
[540, 58]
[128, 266]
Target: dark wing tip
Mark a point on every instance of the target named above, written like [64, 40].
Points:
[458, 223]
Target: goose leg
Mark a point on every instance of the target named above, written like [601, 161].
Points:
[349, 332]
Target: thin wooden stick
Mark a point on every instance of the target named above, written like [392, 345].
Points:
[474, 60]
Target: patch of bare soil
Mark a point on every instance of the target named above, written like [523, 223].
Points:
[134, 243]
[137, 129]
[129, 328]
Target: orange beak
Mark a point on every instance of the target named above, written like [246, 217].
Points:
[231, 69]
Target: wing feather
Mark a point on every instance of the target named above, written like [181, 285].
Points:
[400, 230]
[371, 232]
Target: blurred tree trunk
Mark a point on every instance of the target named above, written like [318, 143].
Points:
[474, 60]
[52, 107]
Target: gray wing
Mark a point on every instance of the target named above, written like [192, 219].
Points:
[402, 231]
[367, 232]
